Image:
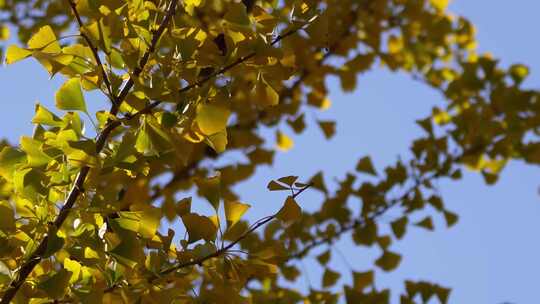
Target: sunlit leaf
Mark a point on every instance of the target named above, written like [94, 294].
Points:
[70, 97]
[234, 211]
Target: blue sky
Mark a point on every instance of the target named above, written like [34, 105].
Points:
[490, 256]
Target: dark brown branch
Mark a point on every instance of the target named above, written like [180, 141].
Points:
[78, 185]
[94, 50]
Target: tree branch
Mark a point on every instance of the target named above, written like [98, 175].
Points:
[77, 189]
[94, 49]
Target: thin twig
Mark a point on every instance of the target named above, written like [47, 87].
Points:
[94, 50]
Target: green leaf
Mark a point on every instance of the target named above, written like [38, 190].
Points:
[45, 117]
[388, 261]
[365, 165]
[70, 97]
[234, 211]
[212, 118]
[55, 285]
[45, 41]
[34, 152]
[10, 159]
[15, 53]
[399, 227]
[290, 212]
[199, 227]
[330, 278]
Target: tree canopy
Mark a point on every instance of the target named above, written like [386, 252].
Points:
[93, 213]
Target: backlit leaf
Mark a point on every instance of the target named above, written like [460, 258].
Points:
[45, 41]
[15, 53]
[234, 211]
[70, 97]
[211, 118]
[283, 142]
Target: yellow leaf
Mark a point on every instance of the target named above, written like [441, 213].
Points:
[45, 41]
[265, 95]
[234, 211]
[211, 118]
[440, 4]
[284, 142]
[15, 53]
[74, 267]
[290, 211]
[218, 141]
[199, 227]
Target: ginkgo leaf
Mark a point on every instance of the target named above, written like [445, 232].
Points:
[234, 211]
[70, 97]
[265, 95]
[288, 180]
[328, 128]
[362, 280]
[388, 261]
[74, 267]
[56, 284]
[210, 188]
[274, 186]
[426, 223]
[45, 117]
[283, 142]
[10, 158]
[399, 227]
[199, 227]
[211, 118]
[218, 141]
[15, 53]
[290, 212]
[237, 15]
[183, 206]
[45, 41]
[365, 165]
[330, 278]
[33, 148]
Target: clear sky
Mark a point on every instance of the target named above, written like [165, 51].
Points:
[490, 256]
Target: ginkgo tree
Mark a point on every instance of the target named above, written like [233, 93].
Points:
[93, 217]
